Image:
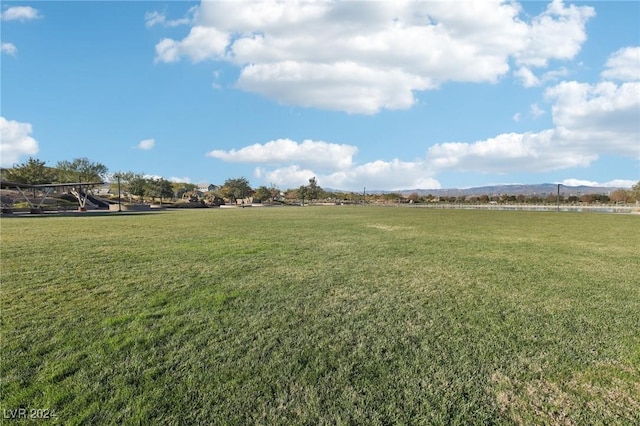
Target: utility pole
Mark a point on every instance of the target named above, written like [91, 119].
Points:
[119, 199]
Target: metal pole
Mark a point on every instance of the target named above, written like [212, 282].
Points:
[119, 199]
[558, 198]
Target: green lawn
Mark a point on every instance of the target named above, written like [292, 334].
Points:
[323, 315]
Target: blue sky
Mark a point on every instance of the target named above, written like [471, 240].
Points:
[383, 95]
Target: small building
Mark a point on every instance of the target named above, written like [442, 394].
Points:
[206, 187]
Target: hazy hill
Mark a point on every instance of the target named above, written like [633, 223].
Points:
[539, 189]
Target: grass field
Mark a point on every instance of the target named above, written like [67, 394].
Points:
[322, 315]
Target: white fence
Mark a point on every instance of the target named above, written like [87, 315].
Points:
[533, 207]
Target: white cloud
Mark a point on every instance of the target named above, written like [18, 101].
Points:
[20, 13]
[154, 18]
[516, 117]
[184, 179]
[344, 86]
[623, 65]
[578, 182]
[394, 174]
[599, 118]
[290, 164]
[308, 153]
[15, 141]
[8, 48]
[590, 120]
[535, 110]
[201, 43]
[558, 33]
[363, 57]
[286, 177]
[554, 75]
[159, 18]
[527, 77]
[17, 13]
[146, 144]
[510, 152]
[617, 183]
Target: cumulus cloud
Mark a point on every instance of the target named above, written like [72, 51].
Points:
[15, 141]
[286, 177]
[590, 120]
[623, 65]
[8, 48]
[317, 154]
[617, 183]
[17, 13]
[510, 152]
[146, 144]
[394, 174]
[535, 110]
[598, 118]
[527, 77]
[289, 164]
[160, 18]
[20, 13]
[557, 33]
[201, 43]
[345, 86]
[362, 58]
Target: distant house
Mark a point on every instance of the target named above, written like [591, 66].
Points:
[206, 187]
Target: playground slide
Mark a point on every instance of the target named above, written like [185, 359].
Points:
[96, 201]
[80, 197]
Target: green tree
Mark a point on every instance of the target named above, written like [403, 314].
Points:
[158, 188]
[275, 192]
[130, 183]
[303, 192]
[181, 188]
[262, 193]
[32, 171]
[81, 170]
[391, 196]
[291, 195]
[621, 196]
[313, 190]
[234, 189]
[137, 186]
[635, 191]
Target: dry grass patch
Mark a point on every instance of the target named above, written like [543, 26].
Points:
[611, 391]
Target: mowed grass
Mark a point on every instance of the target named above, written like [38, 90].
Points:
[323, 315]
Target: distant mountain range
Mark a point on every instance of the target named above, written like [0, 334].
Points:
[538, 189]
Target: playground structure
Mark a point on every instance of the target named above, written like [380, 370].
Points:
[78, 191]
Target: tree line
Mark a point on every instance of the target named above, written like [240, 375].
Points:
[131, 184]
[141, 187]
[35, 172]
